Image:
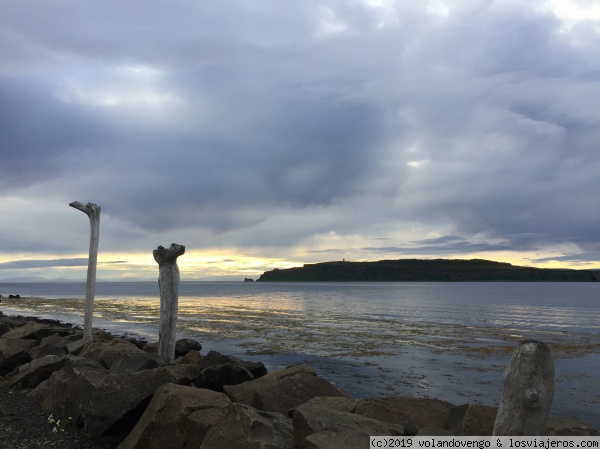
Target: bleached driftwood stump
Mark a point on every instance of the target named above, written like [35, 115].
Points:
[92, 210]
[168, 282]
[527, 391]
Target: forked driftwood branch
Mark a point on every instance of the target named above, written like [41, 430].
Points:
[92, 210]
[168, 282]
[527, 391]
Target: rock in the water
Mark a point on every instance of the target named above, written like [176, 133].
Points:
[472, 419]
[274, 394]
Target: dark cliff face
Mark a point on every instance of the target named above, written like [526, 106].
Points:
[406, 270]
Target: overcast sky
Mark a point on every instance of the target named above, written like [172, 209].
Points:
[269, 133]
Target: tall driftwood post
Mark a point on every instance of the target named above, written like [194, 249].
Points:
[168, 282]
[527, 391]
[93, 212]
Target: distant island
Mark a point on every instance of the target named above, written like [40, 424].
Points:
[423, 270]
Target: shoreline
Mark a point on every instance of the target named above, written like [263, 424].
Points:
[381, 375]
[360, 379]
[19, 406]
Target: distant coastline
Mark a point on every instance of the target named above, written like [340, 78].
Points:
[425, 270]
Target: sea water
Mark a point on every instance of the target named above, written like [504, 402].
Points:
[450, 341]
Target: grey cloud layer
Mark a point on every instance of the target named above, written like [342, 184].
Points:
[219, 117]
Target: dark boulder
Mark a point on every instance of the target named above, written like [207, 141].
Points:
[281, 392]
[312, 419]
[568, 426]
[181, 416]
[184, 345]
[177, 416]
[219, 371]
[13, 352]
[472, 419]
[31, 374]
[32, 330]
[106, 403]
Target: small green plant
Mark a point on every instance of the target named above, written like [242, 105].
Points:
[59, 424]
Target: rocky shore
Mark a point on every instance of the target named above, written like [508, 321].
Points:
[57, 391]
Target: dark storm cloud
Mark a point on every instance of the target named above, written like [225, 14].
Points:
[200, 119]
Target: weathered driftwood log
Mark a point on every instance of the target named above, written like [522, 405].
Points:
[527, 391]
[93, 212]
[168, 282]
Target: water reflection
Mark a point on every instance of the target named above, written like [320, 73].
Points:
[449, 341]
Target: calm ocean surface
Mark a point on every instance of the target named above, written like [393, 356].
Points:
[446, 340]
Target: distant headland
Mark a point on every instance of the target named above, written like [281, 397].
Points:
[425, 270]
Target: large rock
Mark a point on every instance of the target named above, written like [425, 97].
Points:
[289, 371]
[388, 410]
[34, 331]
[121, 356]
[180, 416]
[433, 431]
[190, 358]
[340, 404]
[312, 419]
[219, 370]
[13, 321]
[213, 358]
[326, 439]
[46, 350]
[31, 374]
[4, 328]
[177, 416]
[568, 426]
[244, 427]
[65, 392]
[106, 403]
[425, 412]
[60, 341]
[13, 352]
[280, 394]
[472, 419]
[258, 369]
